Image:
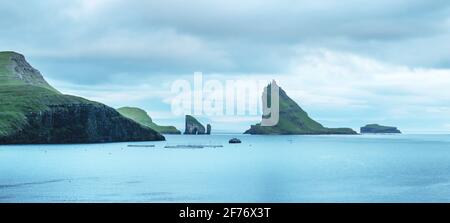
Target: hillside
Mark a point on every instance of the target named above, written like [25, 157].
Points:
[141, 117]
[15, 70]
[32, 111]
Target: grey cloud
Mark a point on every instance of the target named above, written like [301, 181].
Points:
[296, 20]
[87, 45]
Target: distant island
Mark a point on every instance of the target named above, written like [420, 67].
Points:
[140, 116]
[194, 127]
[33, 112]
[375, 128]
[293, 120]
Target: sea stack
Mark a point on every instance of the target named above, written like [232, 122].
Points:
[379, 129]
[208, 129]
[293, 120]
[193, 126]
[33, 112]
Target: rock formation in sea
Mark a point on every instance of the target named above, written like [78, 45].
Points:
[208, 129]
[375, 128]
[33, 112]
[293, 120]
[193, 126]
[140, 116]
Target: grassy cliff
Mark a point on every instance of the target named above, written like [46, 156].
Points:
[32, 111]
[141, 117]
[16, 101]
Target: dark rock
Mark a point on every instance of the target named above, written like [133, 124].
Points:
[375, 128]
[82, 123]
[234, 140]
[208, 129]
[193, 127]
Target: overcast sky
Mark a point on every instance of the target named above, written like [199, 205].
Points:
[347, 63]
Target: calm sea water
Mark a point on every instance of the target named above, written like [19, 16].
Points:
[366, 168]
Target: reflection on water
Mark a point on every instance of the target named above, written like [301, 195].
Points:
[31, 183]
[367, 168]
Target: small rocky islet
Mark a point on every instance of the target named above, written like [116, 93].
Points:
[379, 129]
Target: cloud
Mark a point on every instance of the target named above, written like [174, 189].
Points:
[377, 60]
[355, 77]
[328, 82]
[82, 9]
[113, 94]
[447, 127]
[231, 36]
[231, 119]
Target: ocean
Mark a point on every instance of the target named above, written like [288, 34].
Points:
[358, 168]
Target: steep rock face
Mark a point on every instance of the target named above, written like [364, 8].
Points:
[208, 129]
[375, 128]
[31, 111]
[193, 126]
[293, 120]
[140, 116]
[79, 123]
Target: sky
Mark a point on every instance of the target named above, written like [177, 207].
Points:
[347, 63]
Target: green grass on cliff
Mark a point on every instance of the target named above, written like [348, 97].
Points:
[24, 93]
[8, 75]
[294, 120]
[18, 100]
[140, 116]
[5, 72]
